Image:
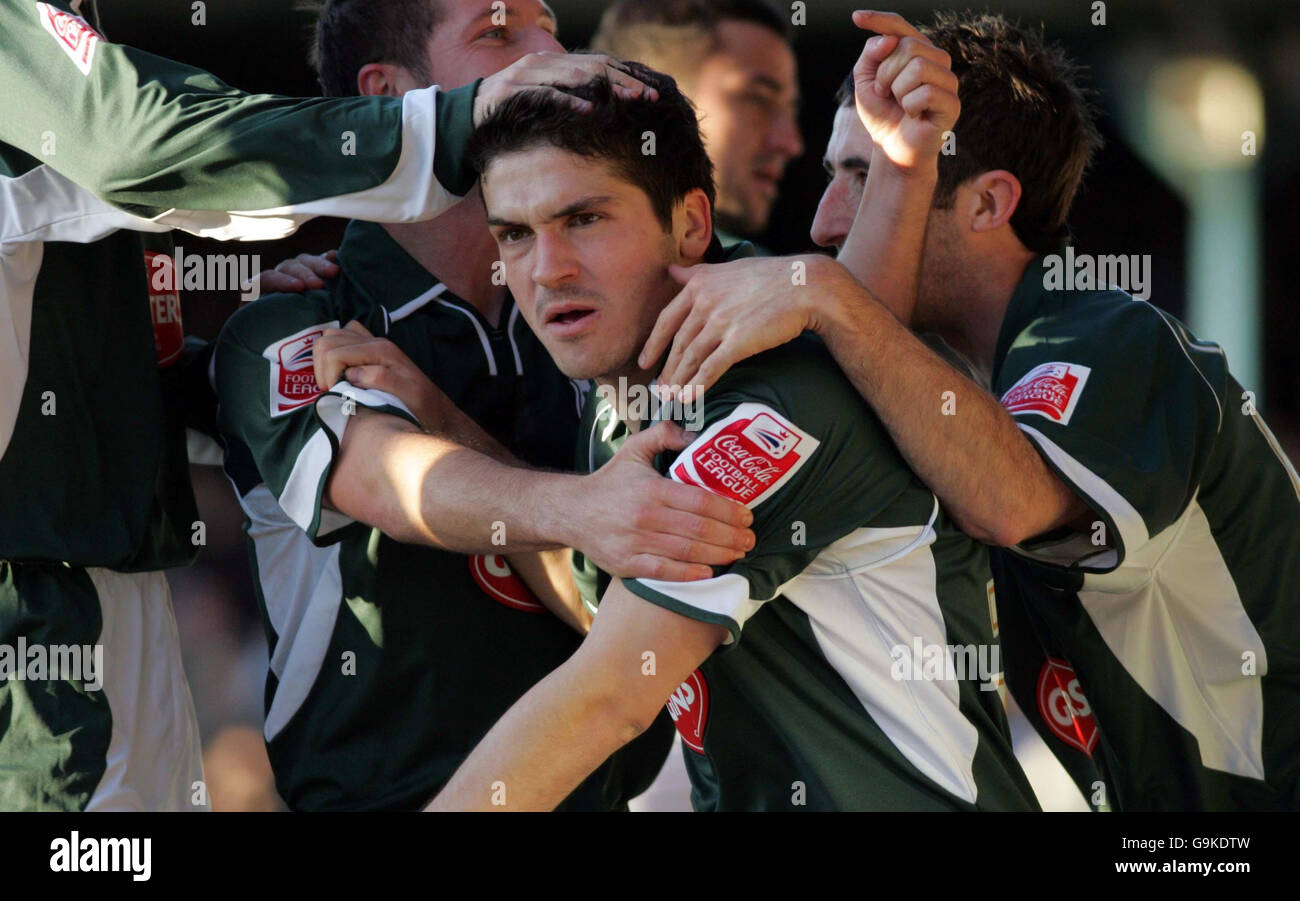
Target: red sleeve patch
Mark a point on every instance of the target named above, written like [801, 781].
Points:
[293, 372]
[492, 574]
[689, 708]
[73, 34]
[165, 306]
[746, 456]
[1051, 390]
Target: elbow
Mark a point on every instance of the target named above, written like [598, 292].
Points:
[998, 530]
[621, 716]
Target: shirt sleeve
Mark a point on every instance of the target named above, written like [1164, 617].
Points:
[173, 145]
[810, 460]
[1125, 406]
[279, 429]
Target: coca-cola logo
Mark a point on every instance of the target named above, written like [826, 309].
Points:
[759, 467]
[1051, 390]
[745, 456]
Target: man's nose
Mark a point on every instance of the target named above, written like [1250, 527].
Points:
[553, 261]
[831, 225]
[784, 136]
[539, 40]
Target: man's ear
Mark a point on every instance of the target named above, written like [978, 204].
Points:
[693, 225]
[993, 199]
[380, 80]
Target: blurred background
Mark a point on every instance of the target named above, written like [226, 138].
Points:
[1200, 107]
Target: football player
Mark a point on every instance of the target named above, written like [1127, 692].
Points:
[1146, 523]
[781, 668]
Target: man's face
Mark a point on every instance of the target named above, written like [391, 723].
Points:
[747, 94]
[848, 154]
[585, 257]
[467, 43]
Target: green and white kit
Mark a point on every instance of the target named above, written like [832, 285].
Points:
[1157, 651]
[819, 699]
[390, 661]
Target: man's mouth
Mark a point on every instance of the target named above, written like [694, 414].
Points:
[768, 180]
[568, 319]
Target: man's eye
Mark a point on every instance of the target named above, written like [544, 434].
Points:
[586, 218]
[495, 34]
[512, 235]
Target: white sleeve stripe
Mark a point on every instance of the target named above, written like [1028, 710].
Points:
[1132, 529]
[724, 595]
[42, 205]
[330, 406]
[411, 193]
[303, 486]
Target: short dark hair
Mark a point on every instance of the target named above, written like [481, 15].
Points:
[1024, 110]
[614, 130]
[350, 34]
[675, 34]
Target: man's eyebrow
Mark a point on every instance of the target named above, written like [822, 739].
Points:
[854, 162]
[579, 205]
[768, 83]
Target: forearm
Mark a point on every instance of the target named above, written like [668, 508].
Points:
[955, 436]
[540, 751]
[598, 701]
[884, 247]
[427, 489]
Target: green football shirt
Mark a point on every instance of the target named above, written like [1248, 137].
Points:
[390, 661]
[861, 671]
[98, 141]
[1156, 651]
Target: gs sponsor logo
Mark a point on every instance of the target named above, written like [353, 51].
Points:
[689, 708]
[1064, 707]
[492, 573]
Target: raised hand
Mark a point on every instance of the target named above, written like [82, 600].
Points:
[905, 90]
